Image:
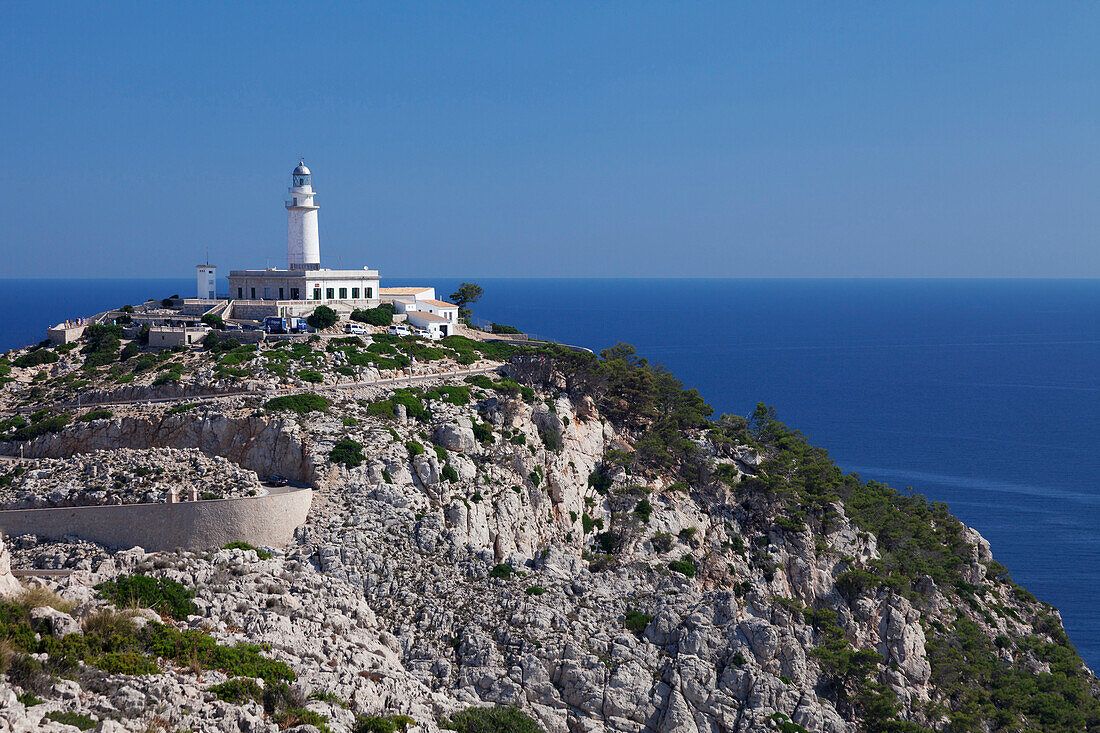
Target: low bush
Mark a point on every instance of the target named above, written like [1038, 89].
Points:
[129, 350]
[348, 453]
[501, 328]
[415, 449]
[300, 403]
[449, 473]
[535, 590]
[238, 691]
[262, 554]
[380, 316]
[160, 594]
[644, 509]
[636, 621]
[293, 717]
[53, 424]
[684, 567]
[96, 415]
[501, 570]
[322, 317]
[68, 717]
[309, 375]
[35, 358]
[498, 719]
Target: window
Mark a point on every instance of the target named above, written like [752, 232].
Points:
[280, 293]
[294, 293]
[240, 292]
[329, 293]
[343, 293]
[370, 292]
[253, 293]
[317, 293]
[355, 293]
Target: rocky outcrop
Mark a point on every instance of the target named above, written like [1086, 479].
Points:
[9, 586]
[526, 568]
[261, 444]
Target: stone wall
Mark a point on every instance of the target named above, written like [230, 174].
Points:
[259, 520]
[266, 446]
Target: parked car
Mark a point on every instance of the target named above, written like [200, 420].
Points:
[277, 480]
[427, 334]
[396, 330]
[356, 328]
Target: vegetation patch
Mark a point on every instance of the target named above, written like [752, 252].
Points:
[160, 594]
[300, 403]
[348, 453]
[498, 719]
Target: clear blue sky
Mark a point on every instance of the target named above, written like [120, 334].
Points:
[523, 138]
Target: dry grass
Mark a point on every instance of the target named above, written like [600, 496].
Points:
[108, 623]
[39, 596]
[6, 653]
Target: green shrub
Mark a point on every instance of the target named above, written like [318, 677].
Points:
[129, 350]
[348, 453]
[661, 541]
[501, 328]
[414, 408]
[214, 321]
[373, 724]
[381, 408]
[96, 415]
[501, 570]
[293, 717]
[535, 590]
[68, 717]
[29, 699]
[238, 691]
[415, 449]
[262, 554]
[166, 377]
[177, 409]
[374, 316]
[636, 621]
[644, 509]
[162, 595]
[449, 473]
[322, 317]
[309, 375]
[480, 380]
[126, 663]
[53, 424]
[499, 719]
[300, 403]
[35, 358]
[684, 567]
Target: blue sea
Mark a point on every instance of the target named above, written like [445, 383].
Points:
[984, 394]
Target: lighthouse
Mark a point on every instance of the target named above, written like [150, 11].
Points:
[303, 247]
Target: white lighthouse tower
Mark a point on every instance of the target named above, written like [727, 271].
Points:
[303, 247]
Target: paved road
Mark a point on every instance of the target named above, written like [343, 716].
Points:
[392, 381]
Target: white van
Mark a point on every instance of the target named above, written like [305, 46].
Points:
[396, 330]
[356, 328]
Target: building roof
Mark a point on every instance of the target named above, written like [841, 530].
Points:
[426, 317]
[402, 291]
[438, 303]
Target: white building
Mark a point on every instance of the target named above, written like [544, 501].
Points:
[303, 245]
[207, 276]
[305, 279]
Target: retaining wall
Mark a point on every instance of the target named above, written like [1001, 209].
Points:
[194, 525]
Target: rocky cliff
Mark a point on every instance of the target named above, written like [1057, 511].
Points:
[582, 540]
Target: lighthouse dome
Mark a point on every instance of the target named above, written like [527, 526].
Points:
[301, 170]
